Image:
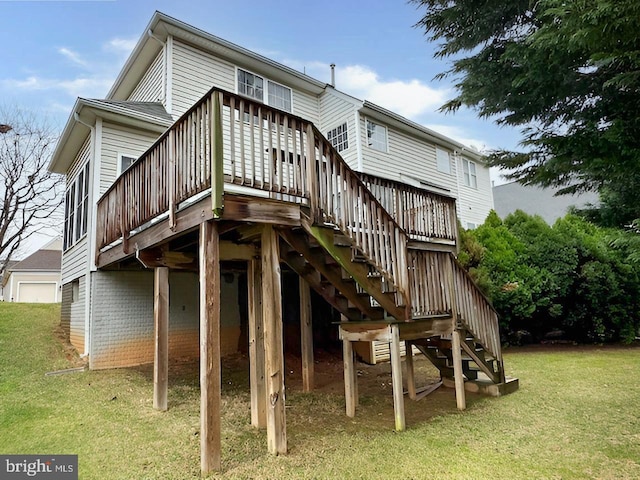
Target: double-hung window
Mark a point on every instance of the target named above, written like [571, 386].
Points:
[469, 173]
[76, 208]
[263, 90]
[443, 160]
[376, 136]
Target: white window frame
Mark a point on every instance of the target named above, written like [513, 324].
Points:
[76, 208]
[470, 173]
[382, 145]
[334, 137]
[267, 86]
[121, 157]
[443, 160]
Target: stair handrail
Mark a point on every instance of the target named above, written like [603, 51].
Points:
[476, 311]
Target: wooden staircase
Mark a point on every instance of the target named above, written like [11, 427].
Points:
[379, 251]
[475, 358]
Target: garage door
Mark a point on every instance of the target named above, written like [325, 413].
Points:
[36, 292]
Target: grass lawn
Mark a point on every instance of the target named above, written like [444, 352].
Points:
[576, 416]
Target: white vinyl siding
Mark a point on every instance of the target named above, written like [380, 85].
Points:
[406, 157]
[474, 204]
[150, 87]
[74, 261]
[194, 74]
[336, 110]
[116, 141]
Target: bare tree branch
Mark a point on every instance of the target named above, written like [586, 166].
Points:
[30, 196]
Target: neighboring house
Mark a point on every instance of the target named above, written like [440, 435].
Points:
[536, 200]
[211, 174]
[36, 279]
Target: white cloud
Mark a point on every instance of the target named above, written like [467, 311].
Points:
[85, 86]
[410, 98]
[74, 57]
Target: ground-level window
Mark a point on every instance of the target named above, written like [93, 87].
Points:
[469, 173]
[75, 290]
[76, 207]
[263, 90]
[339, 137]
[376, 136]
[443, 160]
[471, 225]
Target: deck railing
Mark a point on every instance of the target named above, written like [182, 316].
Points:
[424, 215]
[436, 278]
[252, 145]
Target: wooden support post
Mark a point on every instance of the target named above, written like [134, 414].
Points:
[396, 378]
[350, 382]
[209, 348]
[161, 330]
[256, 346]
[306, 335]
[273, 344]
[456, 347]
[408, 360]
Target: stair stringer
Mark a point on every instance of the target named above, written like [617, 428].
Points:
[298, 254]
[358, 271]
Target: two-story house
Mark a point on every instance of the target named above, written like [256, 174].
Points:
[207, 165]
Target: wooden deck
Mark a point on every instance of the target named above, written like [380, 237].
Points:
[256, 182]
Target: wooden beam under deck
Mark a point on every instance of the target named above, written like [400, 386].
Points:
[368, 331]
[237, 208]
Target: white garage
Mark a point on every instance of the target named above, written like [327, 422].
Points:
[37, 292]
[35, 279]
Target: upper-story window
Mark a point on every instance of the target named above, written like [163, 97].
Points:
[339, 137]
[443, 160]
[266, 91]
[125, 161]
[376, 136]
[469, 173]
[76, 208]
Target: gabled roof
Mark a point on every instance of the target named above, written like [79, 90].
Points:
[162, 25]
[145, 115]
[42, 260]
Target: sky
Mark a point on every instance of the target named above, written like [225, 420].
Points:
[55, 51]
